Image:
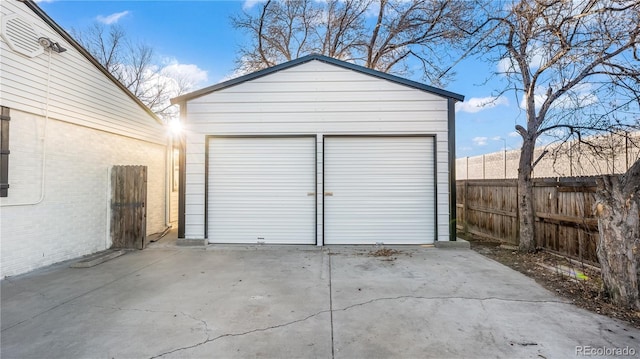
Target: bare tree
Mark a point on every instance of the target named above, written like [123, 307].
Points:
[341, 28]
[134, 64]
[576, 68]
[396, 32]
[280, 32]
[104, 44]
[561, 57]
[415, 30]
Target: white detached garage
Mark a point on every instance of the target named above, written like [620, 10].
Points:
[318, 151]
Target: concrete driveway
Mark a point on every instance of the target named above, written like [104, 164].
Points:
[296, 302]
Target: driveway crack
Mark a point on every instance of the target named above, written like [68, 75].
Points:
[204, 322]
[331, 311]
[209, 339]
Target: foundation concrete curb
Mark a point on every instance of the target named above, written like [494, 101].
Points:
[457, 244]
[191, 242]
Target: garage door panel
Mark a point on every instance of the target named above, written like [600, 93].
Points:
[258, 190]
[382, 190]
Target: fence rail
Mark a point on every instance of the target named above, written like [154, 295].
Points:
[564, 217]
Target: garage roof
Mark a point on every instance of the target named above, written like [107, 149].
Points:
[329, 60]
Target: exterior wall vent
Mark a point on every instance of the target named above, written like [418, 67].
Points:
[21, 36]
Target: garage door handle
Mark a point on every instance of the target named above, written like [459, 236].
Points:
[328, 194]
[311, 193]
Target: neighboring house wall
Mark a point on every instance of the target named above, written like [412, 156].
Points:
[312, 98]
[613, 154]
[70, 117]
[78, 93]
[73, 218]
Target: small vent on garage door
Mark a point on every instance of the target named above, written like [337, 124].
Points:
[21, 35]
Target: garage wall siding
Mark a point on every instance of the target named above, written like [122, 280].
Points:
[312, 98]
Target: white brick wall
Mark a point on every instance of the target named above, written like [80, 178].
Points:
[72, 219]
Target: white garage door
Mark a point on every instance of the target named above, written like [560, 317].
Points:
[261, 190]
[379, 190]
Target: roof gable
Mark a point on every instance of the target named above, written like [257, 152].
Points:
[321, 58]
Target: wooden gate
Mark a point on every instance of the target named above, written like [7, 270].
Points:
[128, 206]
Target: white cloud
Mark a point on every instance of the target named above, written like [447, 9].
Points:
[477, 104]
[514, 134]
[506, 66]
[113, 18]
[480, 141]
[537, 51]
[189, 73]
[168, 80]
[249, 4]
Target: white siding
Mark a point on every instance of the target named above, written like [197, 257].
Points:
[314, 98]
[79, 92]
[72, 218]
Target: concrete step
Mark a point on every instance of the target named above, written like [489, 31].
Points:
[100, 257]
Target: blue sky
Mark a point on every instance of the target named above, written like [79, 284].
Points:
[197, 37]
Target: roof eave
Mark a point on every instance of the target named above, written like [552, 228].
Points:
[329, 60]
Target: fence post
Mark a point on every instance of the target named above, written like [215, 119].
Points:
[517, 239]
[626, 151]
[467, 173]
[505, 163]
[483, 170]
[465, 226]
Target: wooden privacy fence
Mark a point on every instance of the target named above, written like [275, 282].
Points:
[565, 222]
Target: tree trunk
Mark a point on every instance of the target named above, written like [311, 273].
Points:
[619, 245]
[526, 209]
